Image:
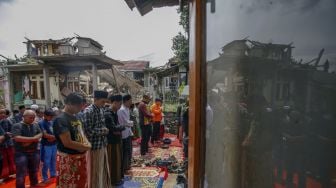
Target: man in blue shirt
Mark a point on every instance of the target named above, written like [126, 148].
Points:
[49, 151]
[19, 117]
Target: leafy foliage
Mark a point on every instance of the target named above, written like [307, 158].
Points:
[181, 48]
[181, 41]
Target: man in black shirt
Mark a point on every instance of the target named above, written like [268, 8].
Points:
[26, 136]
[71, 144]
[294, 138]
[326, 142]
[114, 147]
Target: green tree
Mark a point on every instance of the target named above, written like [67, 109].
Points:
[181, 40]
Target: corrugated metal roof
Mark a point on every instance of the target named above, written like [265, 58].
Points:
[133, 65]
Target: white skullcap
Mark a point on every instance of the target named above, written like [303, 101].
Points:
[34, 106]
[55, 109]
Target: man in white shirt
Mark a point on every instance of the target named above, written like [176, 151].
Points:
[124, 119]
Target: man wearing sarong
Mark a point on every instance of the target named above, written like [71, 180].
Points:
[114, 147]
[7, 147]
[71, 144]
[96, 132]
[26, 135]
[258, 143]
[127, 134]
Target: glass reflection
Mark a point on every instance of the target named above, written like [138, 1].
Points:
[271, 92]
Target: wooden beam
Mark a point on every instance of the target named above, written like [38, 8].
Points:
[115, 79]
[46, 86]
[94, 77]
[10, 88]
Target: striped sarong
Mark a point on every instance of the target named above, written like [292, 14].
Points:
[98, 169]
[114, 152]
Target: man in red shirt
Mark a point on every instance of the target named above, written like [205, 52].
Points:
[145, 124]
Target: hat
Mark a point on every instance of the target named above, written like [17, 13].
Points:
[55, 109]
[99, 94]
[146, 96]
[49, 112]
[126, 98]
[117, 98]
[34, 106]
[74, 99]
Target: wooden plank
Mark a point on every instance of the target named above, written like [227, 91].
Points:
[94, 77]
[198, 97]
[116, 81]
[46, 86]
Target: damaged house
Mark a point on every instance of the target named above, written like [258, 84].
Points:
[53, 68]
[269, 70]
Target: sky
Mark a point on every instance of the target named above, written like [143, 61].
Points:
[125, 34]
[309, 24]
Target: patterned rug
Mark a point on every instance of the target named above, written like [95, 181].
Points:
[175, 142]
[157, 152]
[147, 177]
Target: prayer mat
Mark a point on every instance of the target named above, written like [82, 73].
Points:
[146, 177]
[175, 142]
[155, 152]
[10, 183]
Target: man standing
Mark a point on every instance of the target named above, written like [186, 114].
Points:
[185, 126]
[80, 114]
[96, 131]
[157, 117]
[124, 120]
[19, 117]
[71, 144]
[7, 147]
[294, 137]
[114, 147]
[26, 135]
[179, 118]
[136, 117]
[145, 124]
[48, 154]
[2, 138]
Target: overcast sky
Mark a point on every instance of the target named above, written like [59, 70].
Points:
[124, 34]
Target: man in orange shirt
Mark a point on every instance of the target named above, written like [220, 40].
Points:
[156, 110]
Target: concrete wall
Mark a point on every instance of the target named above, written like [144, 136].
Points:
[85, 47]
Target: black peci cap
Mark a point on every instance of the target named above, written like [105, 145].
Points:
[99, 94]
[117, 98]
[49, 112]
[74, 99]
